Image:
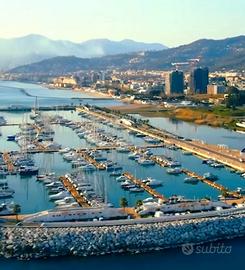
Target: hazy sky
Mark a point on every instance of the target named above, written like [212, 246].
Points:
[171, 22]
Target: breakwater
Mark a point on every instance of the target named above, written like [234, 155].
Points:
[40, 242]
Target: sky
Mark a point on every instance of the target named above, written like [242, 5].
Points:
[170, 22]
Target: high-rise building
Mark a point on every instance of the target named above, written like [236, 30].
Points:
[199, 80]
[174, 83]
[214, 89]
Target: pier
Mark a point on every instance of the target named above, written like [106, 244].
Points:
[91, 160]
[75, 194]
[164, 163]
[206, 181]
[8, 161]
[148, 189]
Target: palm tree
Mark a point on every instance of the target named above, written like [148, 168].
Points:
[16, 210]
[139, 203]
[123, 202]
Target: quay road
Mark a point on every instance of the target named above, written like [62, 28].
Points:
[226, 156]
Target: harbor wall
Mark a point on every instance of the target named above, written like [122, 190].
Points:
[41, 242]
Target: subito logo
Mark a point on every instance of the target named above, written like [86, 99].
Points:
[187, 249]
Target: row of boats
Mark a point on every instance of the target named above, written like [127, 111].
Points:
[5, 190]
[34, 135]
[62, 197]
[22, 164]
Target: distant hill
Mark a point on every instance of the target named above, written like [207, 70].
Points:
[34, 48]
[216, 54]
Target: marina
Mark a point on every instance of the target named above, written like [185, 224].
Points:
[97, 155]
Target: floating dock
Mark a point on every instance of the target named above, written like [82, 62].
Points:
[8, 161]
[98, 165]
[75, 194]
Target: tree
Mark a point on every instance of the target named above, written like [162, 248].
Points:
[16, 210]
[139, 203]
[234, 98]
[225, 193]
[123, 202]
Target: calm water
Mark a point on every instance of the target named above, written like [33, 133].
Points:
[11, 93]
[32, 196]
[167, 259]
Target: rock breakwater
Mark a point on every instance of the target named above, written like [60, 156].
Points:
[40, 242]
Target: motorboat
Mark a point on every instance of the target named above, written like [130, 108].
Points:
[210, 176]
[241, 190]
[217, 165]
[59, 196]
[152, 182]
[7, 209]
[64, 150]
[121, 178]
[11, 137]
[123, 150]
[136, 190]
[116, 173]
[5, 191]
[140, 135]
[65, 200]
[191, 180]
[174, 171]
[151, 140]
[28, 170]
[145, 162]
[133, 156]
[187, 153]
[88, 168]
[114, 168]
[174, 164]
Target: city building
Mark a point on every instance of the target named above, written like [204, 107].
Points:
[66, 82]
[198, 80]
[214, 89]
[174, 83]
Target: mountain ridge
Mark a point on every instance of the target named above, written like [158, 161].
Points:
[216, 54]
[33, 47]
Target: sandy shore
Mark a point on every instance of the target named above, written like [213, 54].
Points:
[92, 93]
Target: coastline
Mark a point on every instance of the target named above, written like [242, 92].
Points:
[87, 91]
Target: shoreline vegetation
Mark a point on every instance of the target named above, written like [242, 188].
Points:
[218, 116]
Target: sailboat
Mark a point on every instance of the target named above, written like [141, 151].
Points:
[34, 112]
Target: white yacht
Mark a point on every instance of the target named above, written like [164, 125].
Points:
[64, 150]
[77, 214]
[7, 209]
[145, 162]
[152, 182]
[59, 196]
[191, 180]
